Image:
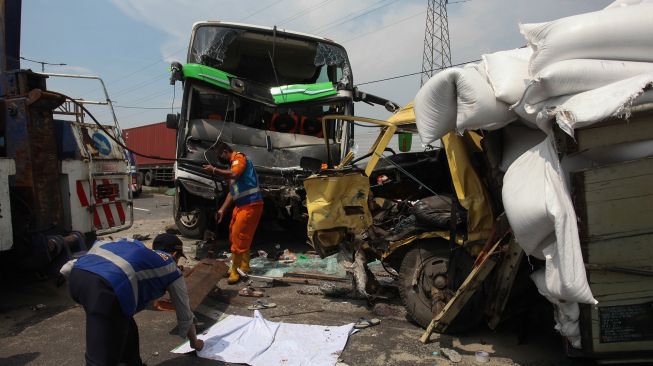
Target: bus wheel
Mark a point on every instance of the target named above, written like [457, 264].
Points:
[191, 224]
[148, 178]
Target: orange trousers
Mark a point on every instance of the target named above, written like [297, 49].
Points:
[244, 221]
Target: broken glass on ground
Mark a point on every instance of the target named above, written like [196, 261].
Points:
[262, 266]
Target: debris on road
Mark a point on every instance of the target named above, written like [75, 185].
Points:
[261, 304]
[482, 357]
[363, 323]
[251, 292]
[451, 354]
[38, 307]
[141, 237]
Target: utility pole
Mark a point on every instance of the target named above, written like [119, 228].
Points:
[437, 51]
[43, 63]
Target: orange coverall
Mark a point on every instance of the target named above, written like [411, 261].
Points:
[244, 219]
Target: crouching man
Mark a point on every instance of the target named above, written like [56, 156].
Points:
[116, 280]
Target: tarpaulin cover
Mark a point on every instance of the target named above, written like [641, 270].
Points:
[259, 342]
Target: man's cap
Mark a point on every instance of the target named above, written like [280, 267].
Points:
[167, 243]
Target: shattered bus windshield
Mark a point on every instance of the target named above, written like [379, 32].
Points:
[270, 58]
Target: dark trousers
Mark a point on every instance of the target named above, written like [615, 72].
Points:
[111, 337]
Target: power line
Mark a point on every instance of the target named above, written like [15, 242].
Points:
[43, 63]
[417, 73]
[137, 107]
[260, 10]
[304, 11]
[140, 85]
[361, 13]
[384, 27]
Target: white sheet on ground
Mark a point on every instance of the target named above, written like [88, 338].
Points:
[259, 342]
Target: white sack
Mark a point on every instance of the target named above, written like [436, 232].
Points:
[458, 99]
[542, 216]
[566, 314]
[621, 3]
[516, 141]
[507, 72]
[576, 76]
[613, 100]
[621, 33]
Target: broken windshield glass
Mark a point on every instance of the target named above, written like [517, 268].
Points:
[331, 55]
[210, 45]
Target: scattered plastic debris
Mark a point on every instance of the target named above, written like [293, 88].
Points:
[482, 357]
[451, 354]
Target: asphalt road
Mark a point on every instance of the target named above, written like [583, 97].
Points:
[41, 325]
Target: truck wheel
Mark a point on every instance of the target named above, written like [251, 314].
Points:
[148, 178]
[423, 278]
[190, 224]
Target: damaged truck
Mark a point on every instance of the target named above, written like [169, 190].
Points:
[450, 245]
[64, 176]
[264, 91]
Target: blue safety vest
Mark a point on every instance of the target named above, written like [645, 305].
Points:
[137, 274]
[245, 190]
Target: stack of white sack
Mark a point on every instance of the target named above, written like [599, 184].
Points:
[578, 71]
[585, 52]
[458, 99]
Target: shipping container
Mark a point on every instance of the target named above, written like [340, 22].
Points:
[154, 140]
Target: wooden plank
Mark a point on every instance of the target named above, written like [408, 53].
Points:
[617, 131]
[473, 281]
[502, 286]
[618, 252]
[618, 199]
[202, 279]
[316, 276]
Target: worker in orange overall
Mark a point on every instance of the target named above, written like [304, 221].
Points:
[245, 193]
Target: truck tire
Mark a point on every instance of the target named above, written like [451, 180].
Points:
[432, 256]
[192, 225]
[148, 178]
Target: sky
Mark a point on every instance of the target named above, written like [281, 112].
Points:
[130, 43]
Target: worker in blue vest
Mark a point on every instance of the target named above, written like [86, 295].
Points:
[245, 195]
[116, 280]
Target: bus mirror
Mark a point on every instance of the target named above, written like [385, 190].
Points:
[176, 72]
[172, 121]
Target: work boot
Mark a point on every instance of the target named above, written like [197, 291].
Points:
[236, 259]
[244, 263]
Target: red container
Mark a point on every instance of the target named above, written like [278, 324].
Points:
[155, 140]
